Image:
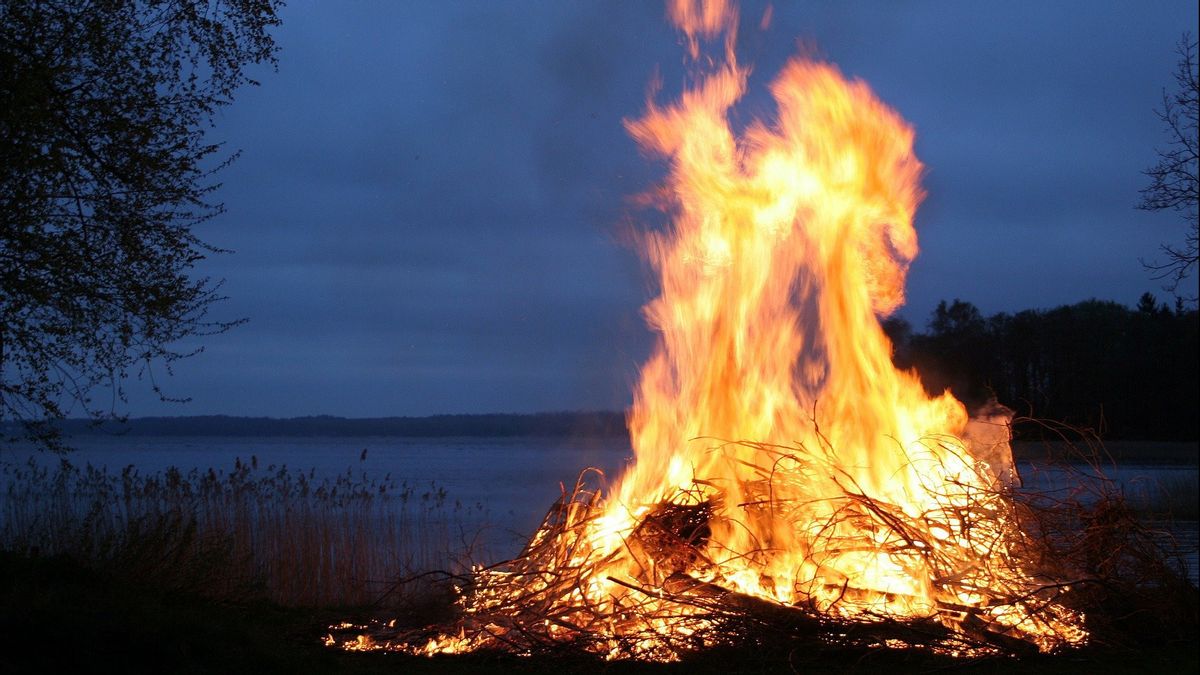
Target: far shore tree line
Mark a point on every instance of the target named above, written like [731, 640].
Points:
[1124, 373]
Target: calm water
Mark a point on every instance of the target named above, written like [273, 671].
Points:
[514, 479]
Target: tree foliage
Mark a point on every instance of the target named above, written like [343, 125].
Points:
[1127, 373]
[1173, 180]
[106, 169]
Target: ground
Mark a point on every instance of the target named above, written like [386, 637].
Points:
[59, 616]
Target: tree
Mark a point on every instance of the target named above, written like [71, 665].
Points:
[959, 319]
[105, 172]
[1173, 180]
[899, 332]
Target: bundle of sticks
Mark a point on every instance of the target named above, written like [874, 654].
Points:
[540, 601]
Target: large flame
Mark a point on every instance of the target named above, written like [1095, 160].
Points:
[787, 244]
[802, 467]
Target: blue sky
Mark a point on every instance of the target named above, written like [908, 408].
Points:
[428, 212]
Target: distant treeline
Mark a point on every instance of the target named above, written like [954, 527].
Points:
[559, 424]
[1125, 373]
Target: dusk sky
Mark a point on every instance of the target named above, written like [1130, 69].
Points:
[428, 214]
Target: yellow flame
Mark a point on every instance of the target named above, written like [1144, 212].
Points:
[788, 242]
[829, 478]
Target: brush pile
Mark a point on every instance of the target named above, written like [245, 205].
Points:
[1050, 558]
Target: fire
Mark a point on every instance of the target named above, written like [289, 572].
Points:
[783, 464]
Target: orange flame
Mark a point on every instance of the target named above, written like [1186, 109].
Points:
[787, 244]
[830, 480]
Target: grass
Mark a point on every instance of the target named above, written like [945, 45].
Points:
[1175, 497]
[1081, 455]
[266, 533]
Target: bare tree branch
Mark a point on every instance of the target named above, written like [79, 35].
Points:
[1173, 180]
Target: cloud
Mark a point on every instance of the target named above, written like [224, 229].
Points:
[427, 207]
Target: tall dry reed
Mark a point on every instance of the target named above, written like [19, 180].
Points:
[289, 536]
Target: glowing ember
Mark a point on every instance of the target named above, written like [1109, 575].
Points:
[785, 468]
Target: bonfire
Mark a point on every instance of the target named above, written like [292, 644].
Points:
[787, 476]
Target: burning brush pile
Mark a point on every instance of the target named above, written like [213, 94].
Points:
[788, 479]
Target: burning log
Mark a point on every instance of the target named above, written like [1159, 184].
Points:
[671, 539]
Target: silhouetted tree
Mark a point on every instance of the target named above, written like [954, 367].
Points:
[1127, 373]
[900, 332]
[105, 170]
[1173, 180]
[956, 353]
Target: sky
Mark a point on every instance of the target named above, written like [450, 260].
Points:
[429, 211]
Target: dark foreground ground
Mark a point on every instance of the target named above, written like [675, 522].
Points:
[57, 616]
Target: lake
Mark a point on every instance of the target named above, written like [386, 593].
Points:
[514, 480]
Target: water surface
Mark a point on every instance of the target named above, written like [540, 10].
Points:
[513, 481]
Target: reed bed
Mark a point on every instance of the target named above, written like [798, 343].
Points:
[253, 532]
